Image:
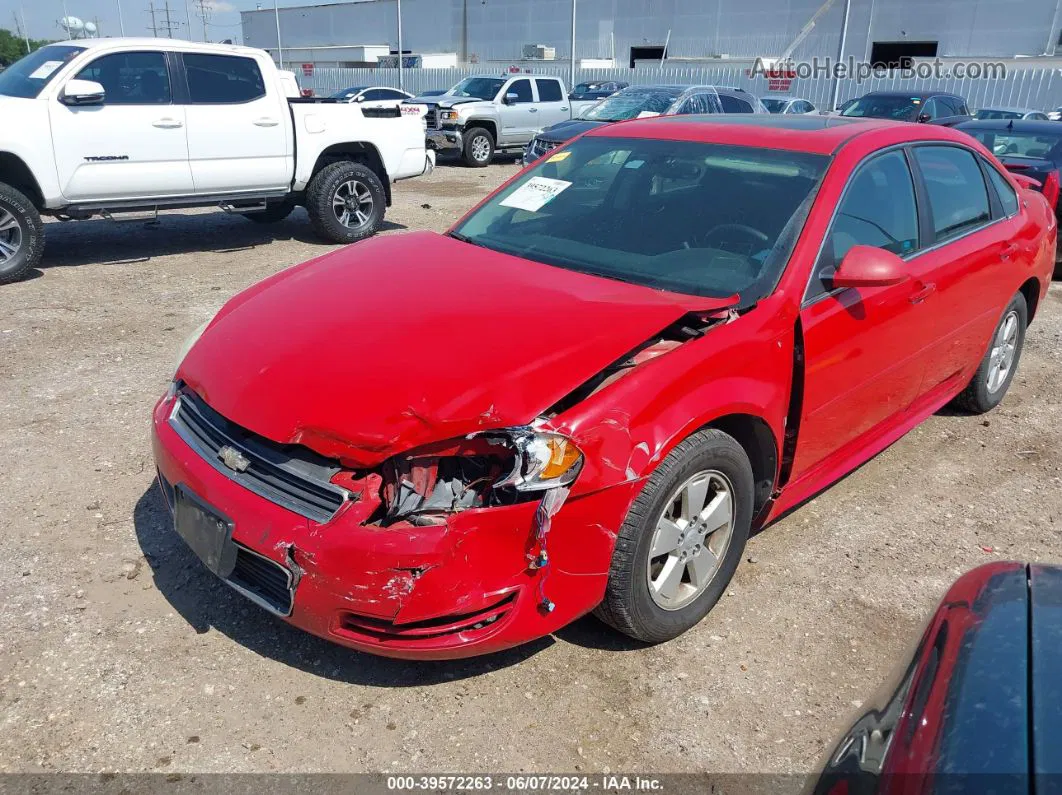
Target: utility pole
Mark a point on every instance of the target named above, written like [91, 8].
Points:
[121, 22]
[571, 73]
[22, 28]
[188, 17]
[154, 27]
[280, 47]
[840, 55]
[169, 25]
[203, 10]
[401, 82]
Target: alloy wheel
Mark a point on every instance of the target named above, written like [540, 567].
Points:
[10, 236]
[352, 203]
[1004, 349]
[480, 148]
[690, 540]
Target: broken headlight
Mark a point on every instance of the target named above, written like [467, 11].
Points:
[543, 461]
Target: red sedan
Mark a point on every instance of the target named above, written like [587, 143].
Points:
[588, 393]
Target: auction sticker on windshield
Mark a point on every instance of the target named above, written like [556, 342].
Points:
[45, 70]
[536, 193]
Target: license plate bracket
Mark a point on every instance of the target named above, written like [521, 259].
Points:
[206, 531]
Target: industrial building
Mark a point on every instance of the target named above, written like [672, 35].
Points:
[620, 33]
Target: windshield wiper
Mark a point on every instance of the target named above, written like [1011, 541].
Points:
[465, 239]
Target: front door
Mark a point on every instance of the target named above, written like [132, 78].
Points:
[519, 116]
[864, 349]
[239, 132]
[134, 145]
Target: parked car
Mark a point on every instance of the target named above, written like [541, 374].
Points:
[1011, 113]
[975, 703]
[1031, 150]
[696, 325]
[484, 115]
[642, 101]
[373, 96]
[929, 106]
[783, 104]
[104, 126]
[1055, 115]
[435, 92]
[596, 91]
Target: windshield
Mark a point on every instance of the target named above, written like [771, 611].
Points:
[985, 113]
[775, 105]
[628, 105]
[695, 218]
[878, 106]
[479, 87]
[1036, 146]
[27, 77]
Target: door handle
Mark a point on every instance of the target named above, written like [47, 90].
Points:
[532, 110]
[265, 121]
[1008, 252]
[926, 291]
[564, 109]
[167, 124]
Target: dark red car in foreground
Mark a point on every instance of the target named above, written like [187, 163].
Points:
[587, 394]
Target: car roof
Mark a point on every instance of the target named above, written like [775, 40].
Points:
[924, 94]
[160, 44]
[1009, 109]
[1017, 125]
[814, 134]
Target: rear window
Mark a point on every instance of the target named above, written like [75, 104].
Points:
[549, 91]
[223, 79]
[683, 216]
[26, 78]
[1007, 197]
[1009, 143]
[958, 198]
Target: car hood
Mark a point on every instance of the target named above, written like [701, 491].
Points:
[408, 339]
[566, 130]
[443, 101]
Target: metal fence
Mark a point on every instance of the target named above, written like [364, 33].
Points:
[1032, 88]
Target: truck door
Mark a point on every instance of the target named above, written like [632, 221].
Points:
[131, 145]
[553, 106]
[519, 115]
[239, 127]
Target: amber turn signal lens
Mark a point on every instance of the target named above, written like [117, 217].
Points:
[563, 455]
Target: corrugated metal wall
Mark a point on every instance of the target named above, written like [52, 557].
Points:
[497, 30]
[1033, 88]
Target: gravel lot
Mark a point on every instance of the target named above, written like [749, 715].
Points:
[119, 652]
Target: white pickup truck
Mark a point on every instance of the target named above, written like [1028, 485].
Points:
[110, 126]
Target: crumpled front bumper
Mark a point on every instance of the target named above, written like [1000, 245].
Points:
[458, 589]
[444, 140]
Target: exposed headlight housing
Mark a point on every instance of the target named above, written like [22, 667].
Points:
[543, 461]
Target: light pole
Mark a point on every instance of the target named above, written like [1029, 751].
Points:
[401, 81]
[121, 22]
[840, 55]
[280, 49]
[25, 30]
[571, 73]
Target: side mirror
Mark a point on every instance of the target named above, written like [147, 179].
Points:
[511, 99]
[359, 98]
[83, 92]
[923, 118]
[866, 266]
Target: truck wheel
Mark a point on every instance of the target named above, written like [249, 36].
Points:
[682, 539]
[479, 147]
[21, 235]
[992, 379]
[274, 212]
[346, 202]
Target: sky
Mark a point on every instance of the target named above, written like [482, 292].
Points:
[42, 16]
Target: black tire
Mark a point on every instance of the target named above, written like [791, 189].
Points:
[331, 182]
[978, 397]
[24, 235]
[628, 605]
[275, 212]
[478, 140]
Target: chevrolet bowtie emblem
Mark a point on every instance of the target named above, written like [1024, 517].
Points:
[234, 459]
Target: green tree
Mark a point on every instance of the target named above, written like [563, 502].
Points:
[13, 46]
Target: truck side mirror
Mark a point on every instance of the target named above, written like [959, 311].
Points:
[83, 92]
[511, 99]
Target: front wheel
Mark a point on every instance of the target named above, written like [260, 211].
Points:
[992, 379]
[346, 202]
[21, 235]
[682, 540]
[479, 147]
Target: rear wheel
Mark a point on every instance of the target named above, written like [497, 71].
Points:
[682, 540]
[346, 202]
[992, 379]
[21, 235]
[479, 147]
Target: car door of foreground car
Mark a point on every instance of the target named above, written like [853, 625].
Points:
[977, 243]
[132, 145]
[863, 348]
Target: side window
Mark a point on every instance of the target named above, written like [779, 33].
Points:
[698, 103]
[958, 198]
[734, 105]
[223, 79]
[522, 89]
[931, 108]
[805, 107]
[549, 91]
[1007, 197]
[390, 93]
[878, 209]
[131, 78]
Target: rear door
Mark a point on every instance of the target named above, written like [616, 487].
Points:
[239, 127]
[976, 243]
[553, 106]
[131, 146]
[863, 349]
[520, 118]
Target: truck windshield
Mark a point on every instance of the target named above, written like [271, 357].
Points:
[479, 87]
[27, 77]
[629, 104]
[884, 106]
[689, 217]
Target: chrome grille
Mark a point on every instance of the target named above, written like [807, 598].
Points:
[540, 147]
[289, 475]
[431, 118]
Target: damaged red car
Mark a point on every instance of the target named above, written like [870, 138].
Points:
[587, 394]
